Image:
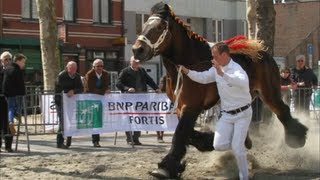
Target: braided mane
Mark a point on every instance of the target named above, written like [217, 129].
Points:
[189, 31]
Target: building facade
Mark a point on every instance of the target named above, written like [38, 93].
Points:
[298, 32]
[214, 20]
[87, 30]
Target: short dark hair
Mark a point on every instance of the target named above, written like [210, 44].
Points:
[222, 47]
[19, 57]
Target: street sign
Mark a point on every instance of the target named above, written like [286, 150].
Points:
[309, 48]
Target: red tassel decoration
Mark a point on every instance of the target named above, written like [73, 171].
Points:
[238, 37]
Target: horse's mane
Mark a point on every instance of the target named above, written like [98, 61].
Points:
[238, 44]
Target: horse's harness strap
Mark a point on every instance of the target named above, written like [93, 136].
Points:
[160, 40]
[177, 90]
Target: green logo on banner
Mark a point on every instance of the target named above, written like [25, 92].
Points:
[89, 114]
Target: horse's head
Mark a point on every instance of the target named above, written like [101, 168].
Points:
[155, 35]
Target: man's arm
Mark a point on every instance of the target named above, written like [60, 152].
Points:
[120, 84]
[238, 78]
[203, 77]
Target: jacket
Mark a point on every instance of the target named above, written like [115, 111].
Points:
[65, 83]
[13, 81]
[128, 79]
[91, 79]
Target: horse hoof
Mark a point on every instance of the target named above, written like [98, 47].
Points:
[248, 143]
[294, 141]
[160, 174]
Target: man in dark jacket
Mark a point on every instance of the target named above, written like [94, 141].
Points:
[305, 80]
[13, 88]
[5, 59]
[69, 82]
[134, 79]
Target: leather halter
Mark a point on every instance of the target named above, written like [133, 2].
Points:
[155, 46]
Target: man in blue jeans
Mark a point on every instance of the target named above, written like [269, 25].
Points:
[13, 88]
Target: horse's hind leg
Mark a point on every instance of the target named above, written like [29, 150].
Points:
[295, 132]
[171, 166]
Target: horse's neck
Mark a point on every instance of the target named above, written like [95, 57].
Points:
[184, 50]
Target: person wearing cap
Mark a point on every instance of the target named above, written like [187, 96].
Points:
[305, 79]
[134, 79]
[236, 112]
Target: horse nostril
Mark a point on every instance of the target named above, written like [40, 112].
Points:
[138, 50]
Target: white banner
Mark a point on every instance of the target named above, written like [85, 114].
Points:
[49, 113]
[94, 114]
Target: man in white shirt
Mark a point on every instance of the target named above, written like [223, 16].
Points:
[233, 88]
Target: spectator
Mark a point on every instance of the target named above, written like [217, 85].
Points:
[68, 81]
[162, 86]
[97, 82]
[4, 123]
[287, 84]
[305, 80]
[232, 83]
[134, 79]
[14, 90]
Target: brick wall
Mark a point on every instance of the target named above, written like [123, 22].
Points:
[297, 24]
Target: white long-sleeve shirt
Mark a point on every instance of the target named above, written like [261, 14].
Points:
[233, 86]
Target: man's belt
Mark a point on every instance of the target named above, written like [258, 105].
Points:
[236, 111]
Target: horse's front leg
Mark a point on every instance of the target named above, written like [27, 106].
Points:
[171, 166]
[295, 132]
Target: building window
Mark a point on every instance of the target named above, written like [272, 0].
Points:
[140, 20]
[217, 28]
[29, 9]
[102, 11]
[68, 10]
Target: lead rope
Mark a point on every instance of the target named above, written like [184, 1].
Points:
[177, 90]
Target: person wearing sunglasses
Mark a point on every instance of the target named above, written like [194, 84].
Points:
[305, 79]
[97, 82]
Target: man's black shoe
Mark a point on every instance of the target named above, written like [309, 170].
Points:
[62, 146]
[96, 144]
[137, 143]
[9, 150]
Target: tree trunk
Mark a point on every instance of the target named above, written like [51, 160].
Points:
[49, 42]
[261, 21]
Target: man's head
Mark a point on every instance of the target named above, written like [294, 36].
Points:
[300, 61]
[98, 66]
[71, 68]
[20, 59]
[134, 63]
[221, 53]
[5, 58]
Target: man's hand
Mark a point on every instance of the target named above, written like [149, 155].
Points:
[131, 90]
[158, 91]
[216, 65]
[70, 93]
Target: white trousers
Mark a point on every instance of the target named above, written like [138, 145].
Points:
[230, 133]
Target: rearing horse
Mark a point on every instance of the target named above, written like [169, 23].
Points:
[166, 35]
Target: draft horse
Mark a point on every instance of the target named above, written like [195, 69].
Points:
[165, 34]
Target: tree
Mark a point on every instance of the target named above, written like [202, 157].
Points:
[49, 42]
[261, 26]
[261, 21]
